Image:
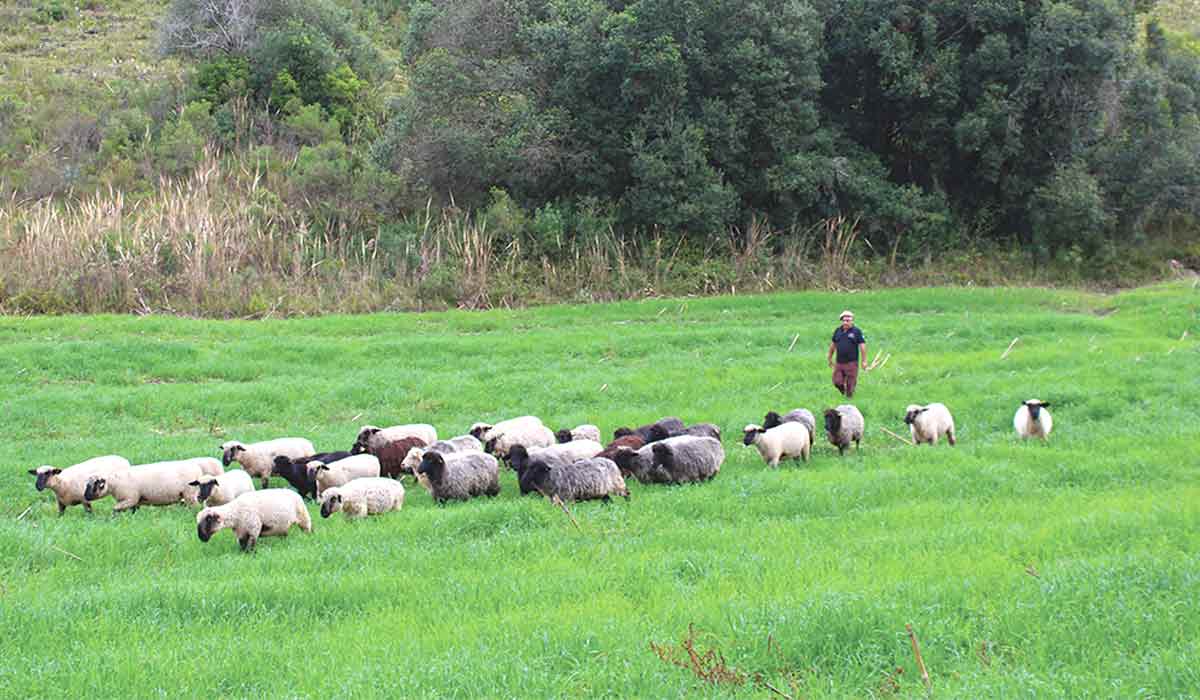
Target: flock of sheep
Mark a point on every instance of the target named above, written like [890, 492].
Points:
[571, 465]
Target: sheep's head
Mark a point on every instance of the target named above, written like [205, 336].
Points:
[365, 434]
[478, 430]
[412, 460]
[518, 456]
[534, 478]
[622, 432]
[911, 413]
[662, 454]
[208, 523]
[771, 420]
[205, 486]
[833, 421]
[314, 467]
[44, 473]
[433, 465]
[96, 488]
[282, 465]
[230, 452]
[358, 448]
[1035, 407]
[624, 457]
[564, 435]
[331, 502]
[751, 432]
[657, 432]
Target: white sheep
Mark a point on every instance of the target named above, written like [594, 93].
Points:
[362, 497]
[372, 438]
[259, 457]
[155, 484]
[1033, 420]
[342, 471]
[69, 484]
[501, 443]
[266, 513]
[787, 440]
[486, 431]
[587, 431]
[219, 490]
[929, 423]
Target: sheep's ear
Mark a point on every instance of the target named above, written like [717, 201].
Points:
[1045, 404]
[193, 483]
[54, 471]
[33, 472]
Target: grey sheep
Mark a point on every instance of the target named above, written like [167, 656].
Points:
[459, 475]
[844, 425]
[674, 460]
[583, 480]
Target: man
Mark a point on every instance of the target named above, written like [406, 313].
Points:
[851, 348]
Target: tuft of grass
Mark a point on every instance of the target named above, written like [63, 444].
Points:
[1064, 569]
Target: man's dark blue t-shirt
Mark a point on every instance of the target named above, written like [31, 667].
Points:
[847, 342]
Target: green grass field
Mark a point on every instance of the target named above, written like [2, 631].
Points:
[1070, 569]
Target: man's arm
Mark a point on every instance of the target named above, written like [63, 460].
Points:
[829, 357]
[862, 355]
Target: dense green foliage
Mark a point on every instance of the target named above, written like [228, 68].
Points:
[1059, 570]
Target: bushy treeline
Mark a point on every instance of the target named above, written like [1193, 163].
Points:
[1066, 129]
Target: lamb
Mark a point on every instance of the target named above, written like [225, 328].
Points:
[798, 415]
[295, 471]
[661, 429]
[631, 441]
[579, 432]
[363, 497]
[342, 471]
[460, 475]
[155, 484]
[391, 453]
[69, 484]
[486, 431]
[258, 458]
[581, 480]
[565, 453]
[462, 443]
[843, 425]
[790, 439]
[266, 513]
[684, 458]
[1033, 420]
[928, 423]
[501, 443]
[219, 490]
[372, 438]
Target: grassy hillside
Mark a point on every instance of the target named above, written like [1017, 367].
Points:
[1067, 569]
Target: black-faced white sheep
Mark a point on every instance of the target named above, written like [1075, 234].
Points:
[296, 472]
[586, 431]
[266, 513]
[258, 458]
[786, 440]
[362, 497]
[797, 415]
[1033, 420]
[460, 475]
[929, 423]
[582, 480]
[371, 438]
[486, 431]
[342, 471]
[501, 443]
[69, 484]
[156, 484]
[844, 425]
[219, 490]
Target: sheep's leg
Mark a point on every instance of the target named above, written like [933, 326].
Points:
[125, 506]
[265, 480]
[950, 438]
[62, 508]
[86, 506]
[247, 542]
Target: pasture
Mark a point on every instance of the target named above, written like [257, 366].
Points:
[1065, 569]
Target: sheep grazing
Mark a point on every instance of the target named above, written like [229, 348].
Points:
[786, 440]
[342, 471]
[219, 490]
[266, 513]
[460, 475]
[565, 452]
[69, 484]
[500, 444]
[929, 423]
[798, 415]
[582, 480]
[844, 425]
[1033, 420]
[371, 438]
[630, 440]
[579, 432]
[391, 453]
[660, 429]
[363, 497]
[295, 471]
[258, 458]
[155, 484]
[486, 431]
[684, 458]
